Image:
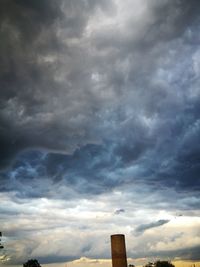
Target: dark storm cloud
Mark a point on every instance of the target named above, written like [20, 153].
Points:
[95, 98]
[171, 19]
[87, 108]
[85, 171]
[142, 228]
[31, 55]
[21, 25]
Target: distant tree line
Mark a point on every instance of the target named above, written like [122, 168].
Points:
[35, 263]
[159, 264]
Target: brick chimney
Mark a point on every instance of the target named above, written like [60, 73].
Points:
[118, 250]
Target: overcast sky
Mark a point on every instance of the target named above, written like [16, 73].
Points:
[99, 128]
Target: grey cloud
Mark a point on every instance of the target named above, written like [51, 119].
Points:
[142, 228]
[171, 18]
[33, 99]
[56, 259]
[32, 115]
[84, 113]
[189, 253]
[119, 211]
[176, 236]
[47, 116]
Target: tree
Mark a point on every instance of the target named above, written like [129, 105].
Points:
[159, 264]
[31, 263]
[1, 246]
[163, 264]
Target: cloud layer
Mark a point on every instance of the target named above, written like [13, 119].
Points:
[99, 102]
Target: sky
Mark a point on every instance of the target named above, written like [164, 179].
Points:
[99, 129]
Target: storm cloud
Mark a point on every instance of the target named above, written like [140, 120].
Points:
[98, 98]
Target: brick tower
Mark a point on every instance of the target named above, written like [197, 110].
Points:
[118, 249]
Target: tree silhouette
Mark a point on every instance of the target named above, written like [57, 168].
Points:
[1, 246]
[31, 263]
[159, 264]
[163, 264]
